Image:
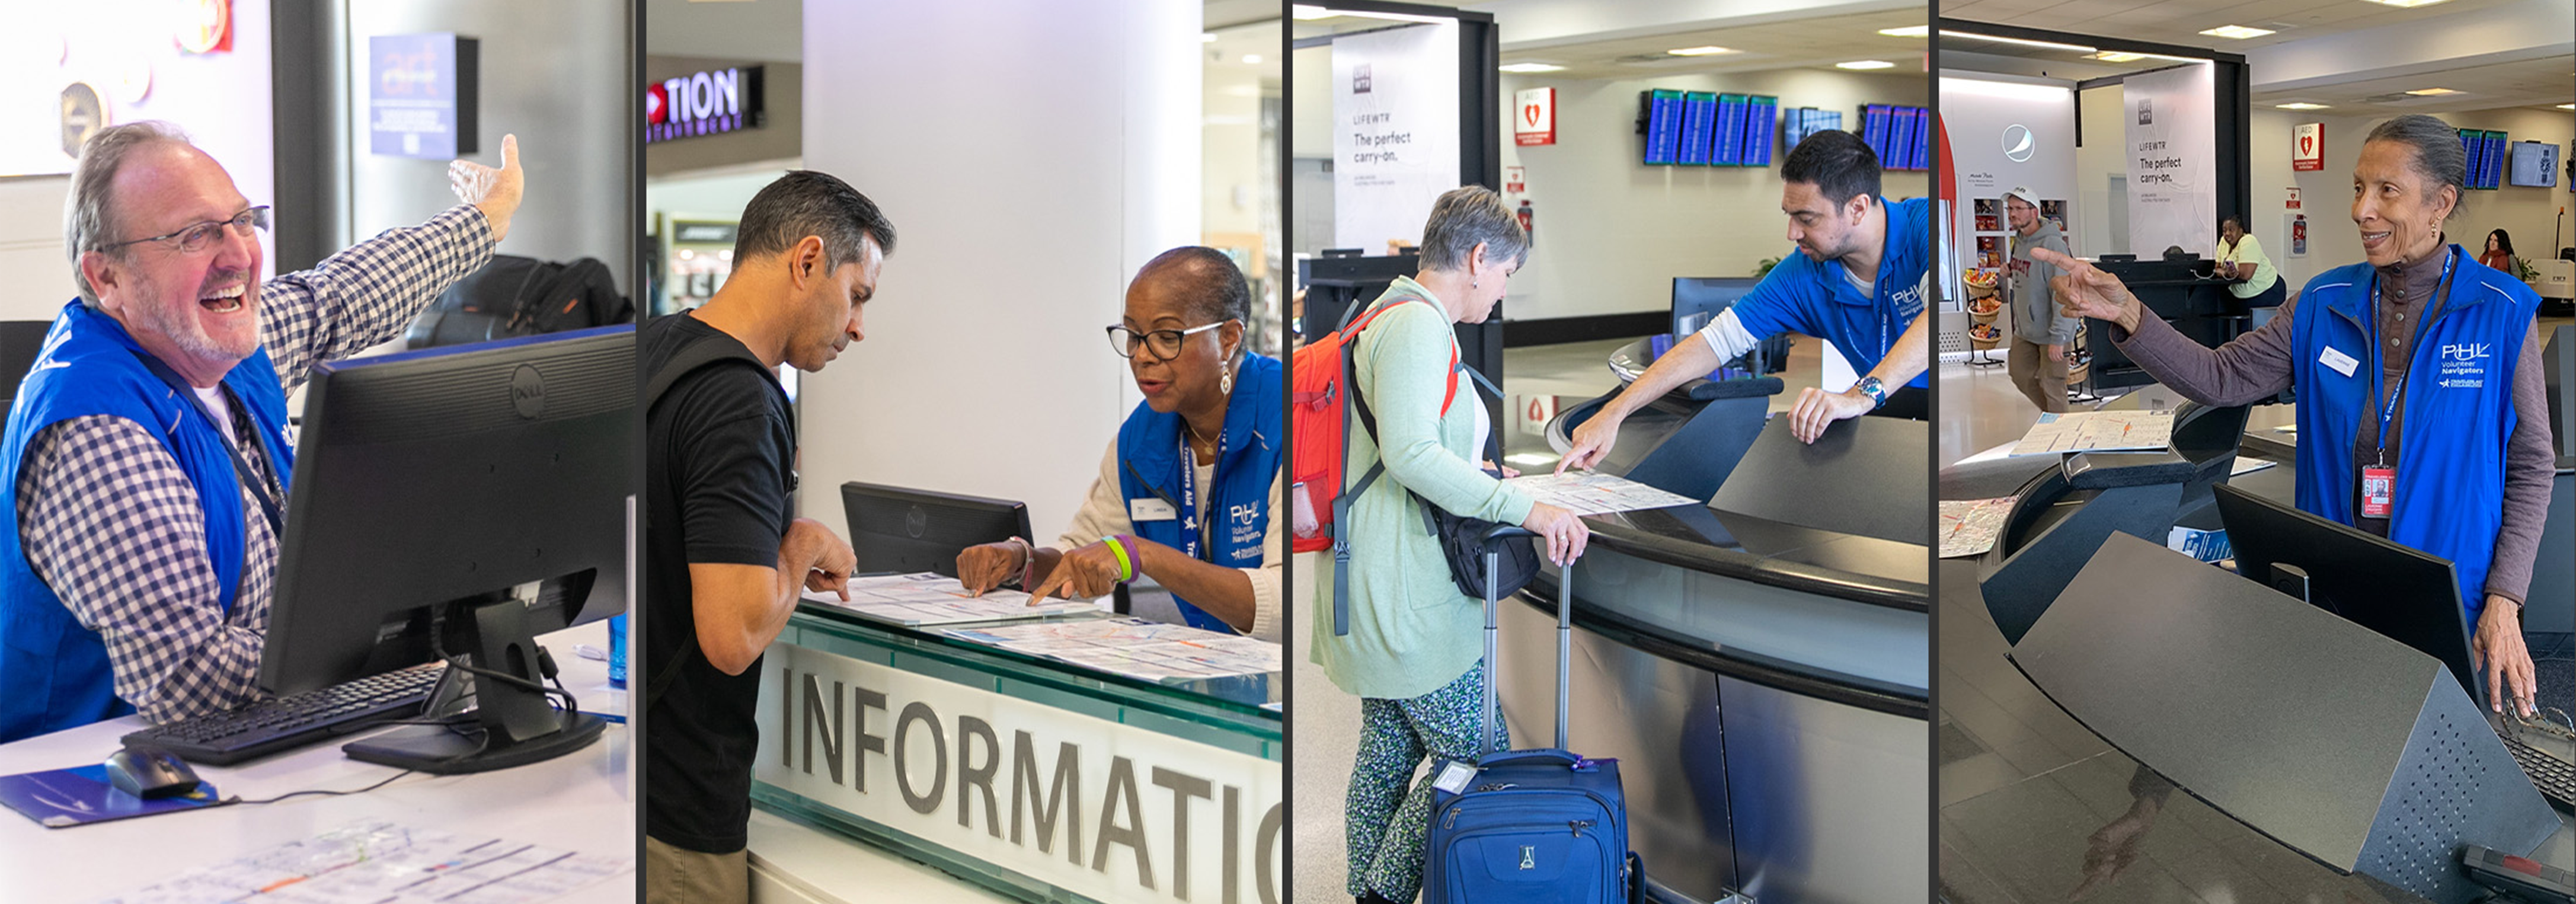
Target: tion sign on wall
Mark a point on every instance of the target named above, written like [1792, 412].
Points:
[1534, 116]
[1108, 811]
[2308, 147]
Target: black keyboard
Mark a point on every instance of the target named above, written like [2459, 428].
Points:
[2556, 778]
[268, 726]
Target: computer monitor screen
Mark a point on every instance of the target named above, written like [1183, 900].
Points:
[904, 531]
[2406, 594]
[1697, 299]
[427, 483]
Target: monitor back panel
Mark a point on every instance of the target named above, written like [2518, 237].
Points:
[905, 531]
[2340, 743]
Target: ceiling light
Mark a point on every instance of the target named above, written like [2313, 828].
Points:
[2567, 106]
[2236, 32]
[2115, 56]
[1306, 13]
[1530, 67]
[2025, 42]
[1252, 59]
[2406, 4]
[2300, 105]
[1910, 31]
[1866, 64]
[2431, 92]
[1207, 37]
[1702, 50]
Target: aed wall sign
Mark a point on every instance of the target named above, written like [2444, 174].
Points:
[1106, 811]
[703, 103]
[2307, 147]
[1534, 116]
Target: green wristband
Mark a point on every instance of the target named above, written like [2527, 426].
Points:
[1126, 566]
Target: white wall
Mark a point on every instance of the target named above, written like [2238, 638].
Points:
[220, 99]
[1019, 217]
[2098, 116]
[2326, 195]
[1611, 233]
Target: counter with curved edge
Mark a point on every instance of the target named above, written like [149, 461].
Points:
[1762, 674]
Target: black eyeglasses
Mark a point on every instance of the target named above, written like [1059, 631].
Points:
[1163, 344]
[199, 236]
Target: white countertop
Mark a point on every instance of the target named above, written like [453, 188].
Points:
[584, 801]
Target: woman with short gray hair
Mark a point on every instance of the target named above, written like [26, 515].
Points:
[1412, 654]
[2420, 348]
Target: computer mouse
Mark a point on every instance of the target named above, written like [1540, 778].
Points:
[150, 772]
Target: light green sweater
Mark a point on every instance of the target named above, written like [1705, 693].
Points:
[1411, 630]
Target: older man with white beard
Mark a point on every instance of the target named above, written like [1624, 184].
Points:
[145, 462]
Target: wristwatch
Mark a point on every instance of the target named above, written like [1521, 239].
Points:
[1876, 391]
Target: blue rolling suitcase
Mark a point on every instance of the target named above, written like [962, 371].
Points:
[1528, 826]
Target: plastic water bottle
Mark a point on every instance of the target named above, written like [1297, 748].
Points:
[617, 651]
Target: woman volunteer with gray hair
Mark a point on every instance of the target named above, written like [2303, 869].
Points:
[1412, 654]
[2422, 349]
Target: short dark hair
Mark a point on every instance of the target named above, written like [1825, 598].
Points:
[803, 203]
[1837, 163]
[2230, 218]
[2439, 158]
[1208, 278]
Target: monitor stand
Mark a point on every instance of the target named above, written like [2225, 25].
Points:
[510, 725]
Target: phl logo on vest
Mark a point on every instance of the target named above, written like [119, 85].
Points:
[1909, 304]
[2464, 365]
[1243, 524]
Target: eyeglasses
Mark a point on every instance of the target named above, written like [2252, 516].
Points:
[1163, 344]
[197, 237]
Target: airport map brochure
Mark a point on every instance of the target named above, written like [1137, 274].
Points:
[1969, 527]
[1134, 647]
[925, 598]
[376, 862]
[2086, 431]
[1590, 493]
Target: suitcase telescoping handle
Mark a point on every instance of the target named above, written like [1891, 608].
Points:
[1493, 541]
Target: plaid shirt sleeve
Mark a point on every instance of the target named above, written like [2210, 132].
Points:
[365, 295]
[113, 525]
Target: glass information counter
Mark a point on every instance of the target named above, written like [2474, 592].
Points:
[1036, 778]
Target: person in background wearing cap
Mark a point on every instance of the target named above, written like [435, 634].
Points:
[2041, 332]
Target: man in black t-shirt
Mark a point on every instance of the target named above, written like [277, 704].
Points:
[725, 561]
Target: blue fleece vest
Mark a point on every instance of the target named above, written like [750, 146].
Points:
[54, 671]
[1150, 465]
[2458, 413]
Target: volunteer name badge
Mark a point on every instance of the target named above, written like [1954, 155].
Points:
[1143, 510]
[2378, 492]
[2342, 363]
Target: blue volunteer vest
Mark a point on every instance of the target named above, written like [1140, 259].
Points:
[1151, 466]
[2458, 410]
[54, 671]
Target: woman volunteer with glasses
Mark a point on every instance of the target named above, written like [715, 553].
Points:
[1186, 490]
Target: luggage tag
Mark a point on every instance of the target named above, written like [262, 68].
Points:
[1454, 776]
[2378, 491]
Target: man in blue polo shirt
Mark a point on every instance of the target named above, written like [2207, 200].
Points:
[1856, 281]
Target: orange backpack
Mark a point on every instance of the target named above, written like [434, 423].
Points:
[1321, 400]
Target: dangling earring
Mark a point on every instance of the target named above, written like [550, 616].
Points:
[1225, 382]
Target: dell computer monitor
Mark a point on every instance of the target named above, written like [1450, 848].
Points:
[460, 499]
[902, 531]
[2406, 594]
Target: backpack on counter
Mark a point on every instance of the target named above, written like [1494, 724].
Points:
[521, 296]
